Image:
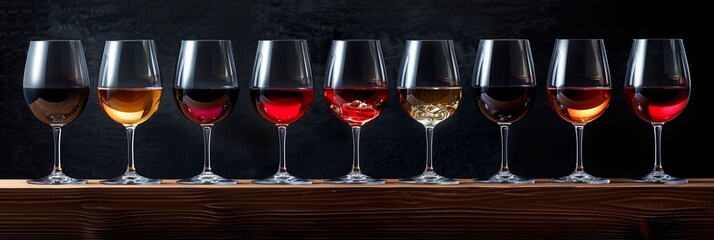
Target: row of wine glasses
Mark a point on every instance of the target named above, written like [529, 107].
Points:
[56, 87]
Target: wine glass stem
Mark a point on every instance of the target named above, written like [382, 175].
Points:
[355, 149]
[130, 148]
[504, 146]
[57, 132]
[282, 130]
[429, 141]
[579, 148]
[658, 146]
[206, 148]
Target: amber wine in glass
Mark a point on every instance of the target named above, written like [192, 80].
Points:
[579, 92]
[129, 92]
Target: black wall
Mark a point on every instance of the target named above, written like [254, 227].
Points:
[618, 144]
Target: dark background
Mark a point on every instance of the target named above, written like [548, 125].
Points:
[618, 144]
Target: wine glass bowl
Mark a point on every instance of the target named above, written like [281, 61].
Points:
[429, 92]
[505, 88]
[56, 88]
[205, 91]
[282, 92]
[657, 87]
[129, 92]
[579, 91]
[356, 92]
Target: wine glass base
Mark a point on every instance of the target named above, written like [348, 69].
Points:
[282, 178]
[429, 178]
[131, 178]
[580, 177]
[57, 178]
[206, 178]
[505, 177]
[356, 178]
[658, 177]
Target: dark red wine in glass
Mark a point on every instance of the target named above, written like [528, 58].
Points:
[56, 88]
[504, 86]
[206, 105]
[657, 88]
[505, 104]
[56, 106]
[206, 90]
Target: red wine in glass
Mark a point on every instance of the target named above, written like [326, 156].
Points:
[206, 105]
[657, 87]
[356, 105]
[658, 104]
[282, 106]
[282, 92]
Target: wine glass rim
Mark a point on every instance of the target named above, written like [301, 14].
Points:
[57, 40]
[579, 39]
[504, 39]
[282, 40]
[205, 40]
[355, 40]
[657, 39]
[430, 40]
[131, 40]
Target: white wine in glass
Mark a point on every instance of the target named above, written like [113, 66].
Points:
[430, 92]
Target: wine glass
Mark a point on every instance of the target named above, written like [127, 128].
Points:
[282, 92]
[429, 91]
[56, 87]
[579, 92]
[129, 92]
[206, 91]
[657, 88]
[505, 88]
[356, 92]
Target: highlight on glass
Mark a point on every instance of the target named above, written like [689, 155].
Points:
[282, 92]
[56, 88]
[505, 88]
[429, 91]
[356, 92]
[579, 91]
[205, 91]
[657, 87]
[129, 92]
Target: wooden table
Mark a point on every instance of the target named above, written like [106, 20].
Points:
[329, 211]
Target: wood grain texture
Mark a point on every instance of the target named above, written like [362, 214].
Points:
[328, 211]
